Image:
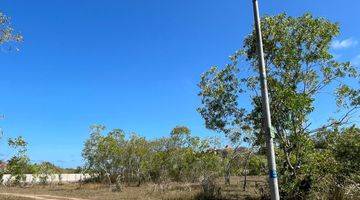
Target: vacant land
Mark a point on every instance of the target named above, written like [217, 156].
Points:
[170, 191]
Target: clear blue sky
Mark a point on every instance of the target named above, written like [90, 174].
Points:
[130, 64]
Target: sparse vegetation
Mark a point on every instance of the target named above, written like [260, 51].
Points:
[314, 162]
[172, 191]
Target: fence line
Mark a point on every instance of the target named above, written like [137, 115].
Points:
[52, 178]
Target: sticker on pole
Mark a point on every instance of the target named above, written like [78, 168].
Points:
[272, 132]
[272, 174]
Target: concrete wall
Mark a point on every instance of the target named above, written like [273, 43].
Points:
[54, 178]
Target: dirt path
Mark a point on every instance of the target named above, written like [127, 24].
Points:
[40, 196]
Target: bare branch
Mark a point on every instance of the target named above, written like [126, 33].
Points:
[343, 120]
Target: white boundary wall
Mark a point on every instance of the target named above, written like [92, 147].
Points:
[53, 178]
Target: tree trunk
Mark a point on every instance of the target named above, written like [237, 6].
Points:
[227, 174]
[245, 177]
[246, 171]
[109, 180]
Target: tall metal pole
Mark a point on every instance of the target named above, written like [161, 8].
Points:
[273, 182]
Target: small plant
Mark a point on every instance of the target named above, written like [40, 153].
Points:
[19, 164]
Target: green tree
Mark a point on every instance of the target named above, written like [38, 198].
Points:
[102, 154]
[179, 153]
[7, 37]
[19, 164]
[335, 163]
[299, 67]
[156, 162]
[257, 165]
[219, 96]
[190, 157]
[44, 171]
[180, 157]
[135, 155]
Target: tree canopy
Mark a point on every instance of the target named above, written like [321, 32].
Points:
[299, 67]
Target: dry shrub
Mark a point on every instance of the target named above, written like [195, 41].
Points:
[210, 190]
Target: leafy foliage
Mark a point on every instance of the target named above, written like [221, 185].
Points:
[180, 157]
[45, 171]
[7, 33]
[299, 67]
[19, 164]
[9, 37]
[219, 92]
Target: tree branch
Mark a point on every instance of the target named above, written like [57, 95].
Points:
[344, 119]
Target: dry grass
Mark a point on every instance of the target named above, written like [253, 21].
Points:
[4, 197]
[101, 192]
[172, 191]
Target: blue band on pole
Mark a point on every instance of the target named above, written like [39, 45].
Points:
[272, 174]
